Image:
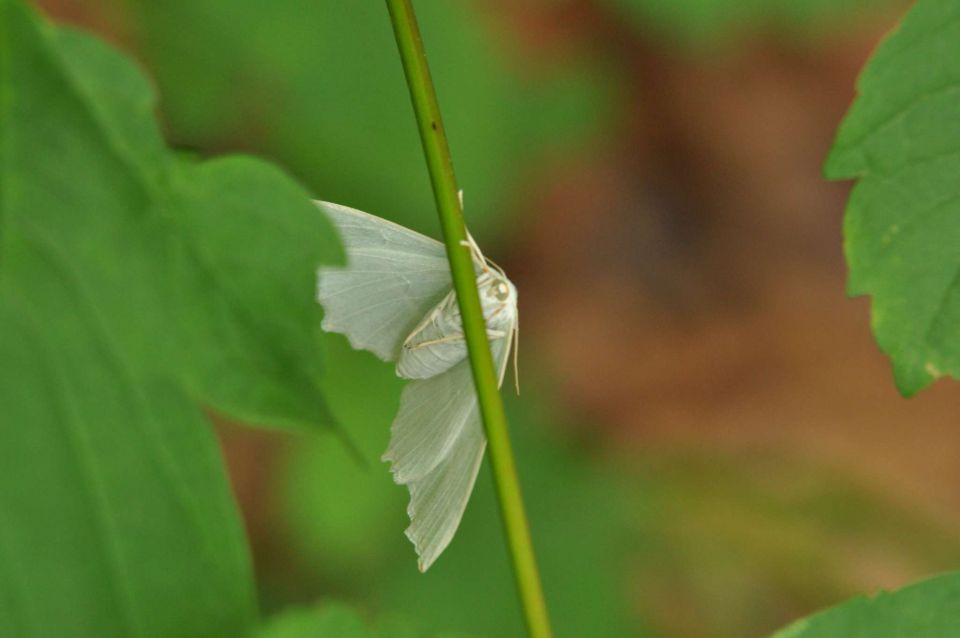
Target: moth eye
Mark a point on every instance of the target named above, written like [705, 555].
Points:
[501, 291]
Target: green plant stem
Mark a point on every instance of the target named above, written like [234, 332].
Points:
[494, 418]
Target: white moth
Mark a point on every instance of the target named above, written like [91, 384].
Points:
[395, 298]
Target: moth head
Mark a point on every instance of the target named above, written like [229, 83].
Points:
[501, 290]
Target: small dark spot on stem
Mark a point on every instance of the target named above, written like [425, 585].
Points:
[433, 125]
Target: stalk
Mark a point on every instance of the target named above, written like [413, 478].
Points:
[494, 418]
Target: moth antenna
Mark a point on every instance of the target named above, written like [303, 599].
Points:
[500, 270]
[485, 262]
[516, 354]
[475, 252]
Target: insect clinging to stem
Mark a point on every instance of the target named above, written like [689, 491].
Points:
[395, 298]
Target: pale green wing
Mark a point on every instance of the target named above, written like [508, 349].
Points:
[438, 500]
[392, 279]
[433, 413]
[436, 447]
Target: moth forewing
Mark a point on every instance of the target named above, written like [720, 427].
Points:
[392, 278]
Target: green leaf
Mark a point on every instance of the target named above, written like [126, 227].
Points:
[117, 520]
[134, 287]
[698, 23]
[930, 608]
[901, 141]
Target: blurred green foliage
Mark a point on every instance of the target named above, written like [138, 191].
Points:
[348, 519]
[743, 541]
[318, 86]
[667, 543]
[337, 620]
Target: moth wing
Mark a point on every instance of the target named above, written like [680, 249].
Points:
[438, 500]
[392, 279]
[433, 413]
[436, 447]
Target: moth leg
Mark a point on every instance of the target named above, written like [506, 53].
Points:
[457, 338]
[427, 320]
[497, 311]
[516, 354]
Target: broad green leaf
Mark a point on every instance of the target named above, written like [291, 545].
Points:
[135, 287]
[930, 609]
[709, 22]
[116, 519]
[319, 86]
[901, 141]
